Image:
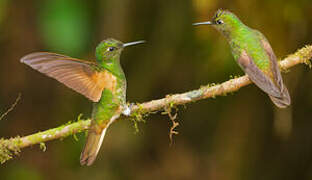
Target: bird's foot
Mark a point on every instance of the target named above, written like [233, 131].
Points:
[127, 109]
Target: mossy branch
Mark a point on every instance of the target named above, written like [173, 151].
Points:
[11, 146]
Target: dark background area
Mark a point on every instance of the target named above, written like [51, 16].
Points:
[234, 137]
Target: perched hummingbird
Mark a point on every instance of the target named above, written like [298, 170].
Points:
[103, 82]
[254, 54]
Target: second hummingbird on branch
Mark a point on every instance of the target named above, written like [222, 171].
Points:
[254, 54]
[103, 82]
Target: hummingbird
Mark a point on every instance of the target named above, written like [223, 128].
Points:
[254, 54]
[103, 82]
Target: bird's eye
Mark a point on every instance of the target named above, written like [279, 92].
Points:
[111, 48]
[219, 21]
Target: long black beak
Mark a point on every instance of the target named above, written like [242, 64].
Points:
[203, 23]
[133, 43]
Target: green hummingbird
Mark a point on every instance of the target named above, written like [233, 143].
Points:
[103, 82]
[254, 54]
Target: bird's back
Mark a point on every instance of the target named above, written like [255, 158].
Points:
[249, 40]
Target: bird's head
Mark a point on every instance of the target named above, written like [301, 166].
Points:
[109, 50]
[224, 21]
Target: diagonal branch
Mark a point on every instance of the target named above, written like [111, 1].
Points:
[11, 146]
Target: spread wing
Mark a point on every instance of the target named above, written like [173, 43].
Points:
[78, 75]
[257, 76]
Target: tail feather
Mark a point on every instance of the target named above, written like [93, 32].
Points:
[92, 147]
[282, 101]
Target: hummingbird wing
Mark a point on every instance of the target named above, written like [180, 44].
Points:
[78, 75]
[277, 77]
[283, 100]
[257, 76]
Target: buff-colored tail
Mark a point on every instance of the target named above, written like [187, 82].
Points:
[92, 147]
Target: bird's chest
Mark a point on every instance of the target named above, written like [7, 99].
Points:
[114, 88]
[111, 101]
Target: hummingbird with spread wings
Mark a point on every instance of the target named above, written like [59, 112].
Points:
[254, 54]
[103, 82]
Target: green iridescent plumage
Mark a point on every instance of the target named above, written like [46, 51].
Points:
[254, 54]
[102, 81]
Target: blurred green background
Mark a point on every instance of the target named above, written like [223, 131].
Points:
[240, 136]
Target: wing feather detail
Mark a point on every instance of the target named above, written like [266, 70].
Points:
[257, 76]
[76, 74]
[284, 99]
[273, 63]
